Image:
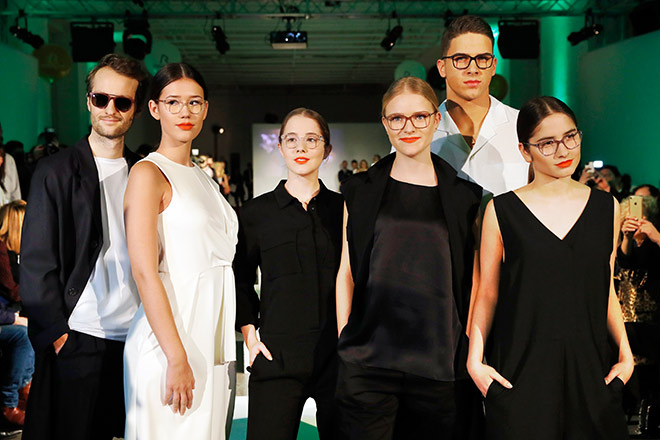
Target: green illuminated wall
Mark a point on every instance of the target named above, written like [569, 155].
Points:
[619, 97]
[25, 97]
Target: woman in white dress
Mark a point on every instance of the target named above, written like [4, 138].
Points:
[181, 236]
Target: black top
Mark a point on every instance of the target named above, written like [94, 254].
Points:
[553, 293]
[459, 199]
[410, 323]
[298, 252]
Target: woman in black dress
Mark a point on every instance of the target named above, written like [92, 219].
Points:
[403, 288]
[293, 234]
[547, 298]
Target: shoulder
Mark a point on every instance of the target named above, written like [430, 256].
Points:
[497, 104]
[146, 175]
[58, 167]
[447, 175]
[258, 206]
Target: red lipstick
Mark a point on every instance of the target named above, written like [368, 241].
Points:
[185, 126]
[301, 160]
[410, 140]
[565, 164]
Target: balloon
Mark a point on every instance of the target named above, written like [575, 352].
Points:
[54, 61]
[410, 68]
[162, 53]
[498, 86]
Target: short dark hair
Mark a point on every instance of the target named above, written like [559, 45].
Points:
[465, 24]
[173, 72]
[534, 111]
[311, 114]
[123, 66]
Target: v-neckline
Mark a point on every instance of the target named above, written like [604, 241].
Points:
[572, 228]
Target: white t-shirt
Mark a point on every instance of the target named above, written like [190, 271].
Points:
[110, 299]
[494, 163]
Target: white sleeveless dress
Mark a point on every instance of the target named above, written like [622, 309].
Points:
[197, 235]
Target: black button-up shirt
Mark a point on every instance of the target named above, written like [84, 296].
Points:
[298, 252]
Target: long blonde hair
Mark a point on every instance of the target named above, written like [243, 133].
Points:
[11, 216]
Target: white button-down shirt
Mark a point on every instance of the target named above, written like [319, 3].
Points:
[494, 163]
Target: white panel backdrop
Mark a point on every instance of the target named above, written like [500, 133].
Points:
[349, 141]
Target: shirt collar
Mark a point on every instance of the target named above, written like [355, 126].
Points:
[283, 197]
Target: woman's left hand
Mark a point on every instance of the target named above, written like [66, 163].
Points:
[622, 369]
[647, 230]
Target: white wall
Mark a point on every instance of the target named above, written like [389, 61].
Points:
[349, 141]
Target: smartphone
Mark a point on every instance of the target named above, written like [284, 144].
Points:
[590, 168]
[635, 206]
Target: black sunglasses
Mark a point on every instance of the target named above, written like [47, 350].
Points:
[101, 100]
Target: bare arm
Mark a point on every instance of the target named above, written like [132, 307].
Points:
[147, 194]
[491, 254]
[625, 364]
[476, 272]
[345, 285]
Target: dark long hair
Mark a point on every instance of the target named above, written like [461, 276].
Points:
[534, 111]
[172, 72]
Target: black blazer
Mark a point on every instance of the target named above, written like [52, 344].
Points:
[62, 238]
[460, 202]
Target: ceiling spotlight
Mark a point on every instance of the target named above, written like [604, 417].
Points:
[590, 29]
[220, 39]
[289, 39]
[391, 37]
[137, 38]
[26, 36]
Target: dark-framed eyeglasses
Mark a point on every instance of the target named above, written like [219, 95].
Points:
[461, 61]
[549, 147]
[101, 100]
[418, 120]
[310, 141]
[175, 106]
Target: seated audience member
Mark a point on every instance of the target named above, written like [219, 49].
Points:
[639, 293]
[9, 184]
[17, 355]
[647, 190]
[11, 216]
[364, 166]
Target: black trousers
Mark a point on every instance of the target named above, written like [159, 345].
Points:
[278, 390]
[382, 404]
[77, 394]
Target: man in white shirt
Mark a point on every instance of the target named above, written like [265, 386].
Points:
[76, 282]
[477, 133]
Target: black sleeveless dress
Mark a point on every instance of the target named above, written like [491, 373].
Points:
[549, 336]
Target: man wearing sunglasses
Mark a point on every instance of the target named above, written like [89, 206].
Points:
[76, 282]
[477, 133]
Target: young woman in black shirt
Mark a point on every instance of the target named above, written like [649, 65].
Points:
[293, 234]
[403, 288]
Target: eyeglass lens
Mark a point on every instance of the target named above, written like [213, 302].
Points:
[310, 141]
[174, 106]
[418, 120]
[462, 61]
[101, 100]
[570, 141]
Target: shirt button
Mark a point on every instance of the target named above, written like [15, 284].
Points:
[72, 291]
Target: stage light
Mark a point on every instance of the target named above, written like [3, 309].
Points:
[391, 38]
[220, 39]
[26, 36]
[137, 38]
[589, 30]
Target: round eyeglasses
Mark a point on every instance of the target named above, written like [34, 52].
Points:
[418, 120]
[461, 61]
[310, 141]
[175, 106]
[549, 147]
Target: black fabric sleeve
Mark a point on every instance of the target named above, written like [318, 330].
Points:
[246, 261]
[41, 289]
